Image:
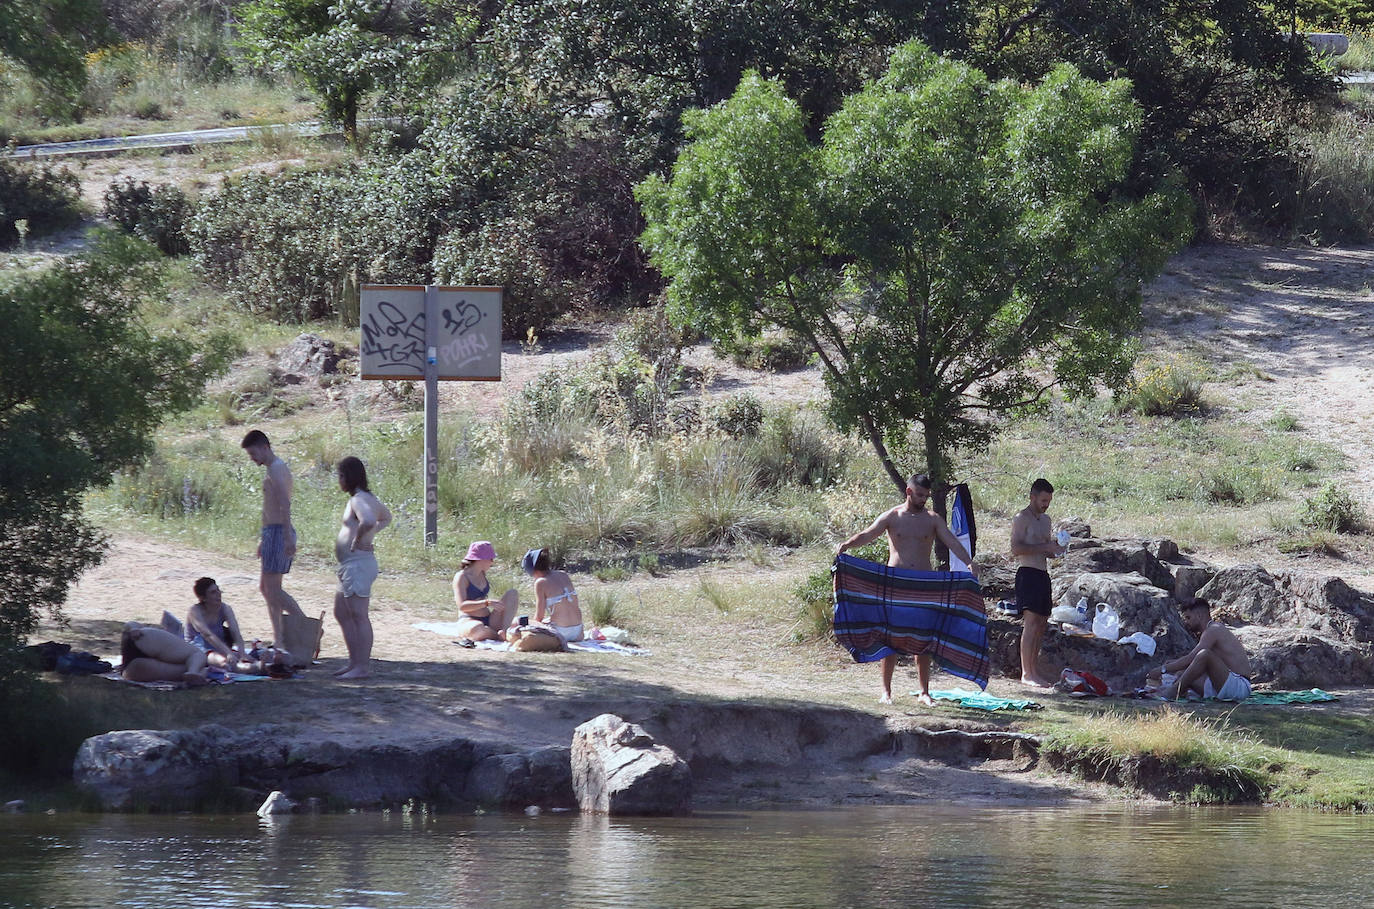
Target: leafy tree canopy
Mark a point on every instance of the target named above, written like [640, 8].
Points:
[952, 249]
[50, 39]
[83, 384]
[345, 49]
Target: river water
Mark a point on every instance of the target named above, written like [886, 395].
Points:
[861, 857]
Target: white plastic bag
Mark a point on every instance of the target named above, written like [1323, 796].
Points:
[1106, 623]
[1144, 644]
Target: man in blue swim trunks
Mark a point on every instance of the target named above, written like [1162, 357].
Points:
[277, 543]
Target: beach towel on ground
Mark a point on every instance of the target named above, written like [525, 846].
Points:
[881, 611]
[979, 700]
[450, 629]
[1313, 696]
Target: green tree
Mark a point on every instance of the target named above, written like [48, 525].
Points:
[952, 250]
[345, 49]
[1220, 86]
[50, 39]
[83, 384]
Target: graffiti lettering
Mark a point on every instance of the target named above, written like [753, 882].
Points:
[462, 317]
[394, 339]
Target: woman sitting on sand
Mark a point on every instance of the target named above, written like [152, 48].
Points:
[555, 598]
[484, 618]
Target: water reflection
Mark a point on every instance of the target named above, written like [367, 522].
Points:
[919, 855]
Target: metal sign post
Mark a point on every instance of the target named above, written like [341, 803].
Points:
[412, 332]
[431, 455]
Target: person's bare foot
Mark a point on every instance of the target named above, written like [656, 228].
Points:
[359, 673]
[1035, 683]
[194, 680]
[925, 698]
[886, 698]
[338, 672]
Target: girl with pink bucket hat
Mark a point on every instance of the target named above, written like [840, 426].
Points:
[483, 618]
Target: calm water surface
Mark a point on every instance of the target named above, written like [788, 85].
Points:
[911, 856]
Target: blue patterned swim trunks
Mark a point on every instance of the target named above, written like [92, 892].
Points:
[274, 557]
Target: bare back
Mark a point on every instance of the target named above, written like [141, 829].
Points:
[276, 494]
[1031, 528]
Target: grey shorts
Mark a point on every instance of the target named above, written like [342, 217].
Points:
[274, 557]
[357, 572]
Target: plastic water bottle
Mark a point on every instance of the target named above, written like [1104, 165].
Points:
[1063, 537]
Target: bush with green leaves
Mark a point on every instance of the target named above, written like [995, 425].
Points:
[738, 416]
[158, 213]
[291, 246]
[1163, 388]
[1335, 510]
[36, 199]
[795, 446]
[777, 352]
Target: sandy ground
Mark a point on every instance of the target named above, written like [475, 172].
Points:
[1300, 318]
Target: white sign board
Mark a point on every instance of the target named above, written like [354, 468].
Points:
[467, 341]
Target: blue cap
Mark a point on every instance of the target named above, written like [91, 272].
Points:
[528, 559]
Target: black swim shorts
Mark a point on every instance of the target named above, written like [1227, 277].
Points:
[1033, 590]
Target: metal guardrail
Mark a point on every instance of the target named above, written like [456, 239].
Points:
[187, 138]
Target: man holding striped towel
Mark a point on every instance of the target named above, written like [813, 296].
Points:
[906, 606]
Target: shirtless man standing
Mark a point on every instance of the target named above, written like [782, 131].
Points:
[1217, 667]
[277, 543]
[911, 531]
[1032, 542]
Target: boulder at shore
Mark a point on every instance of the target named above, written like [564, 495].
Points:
[618, 769]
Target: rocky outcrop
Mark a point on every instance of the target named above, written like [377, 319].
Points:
[174, 769]
[309, 355]
[188, 768]
[618, 769]
[1300, 630]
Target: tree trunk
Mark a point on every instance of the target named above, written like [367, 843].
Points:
[939, 491]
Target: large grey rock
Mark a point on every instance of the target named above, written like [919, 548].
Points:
[1189, 579]
[1287, 658]
[1141, 605]
[1120, 665]
[512, 779]
[169, 770]
[311, 355]
[618, 769]
[1325, 605]
[1118, 558]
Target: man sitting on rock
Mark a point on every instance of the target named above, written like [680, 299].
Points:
[1217, 667]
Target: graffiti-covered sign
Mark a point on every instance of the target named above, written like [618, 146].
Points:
[467, 344]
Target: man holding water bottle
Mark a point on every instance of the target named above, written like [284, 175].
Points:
[1032, 545]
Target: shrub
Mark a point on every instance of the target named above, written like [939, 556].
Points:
[797, 446]
[542, 425]
[815, 597]
[648, 333]
[44, 197]
[503, 253]
[774, 352]
[1334, 192]
[1333, 509]
[603, 608]
[1163, 388]
[738, 416]
[290, 246]
[158, 214]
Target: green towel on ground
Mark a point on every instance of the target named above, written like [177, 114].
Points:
[977, 700]
[1314, 696]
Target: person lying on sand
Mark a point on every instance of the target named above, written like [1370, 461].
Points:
[150, 654]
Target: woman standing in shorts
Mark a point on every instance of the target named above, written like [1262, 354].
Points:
[362, 518]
